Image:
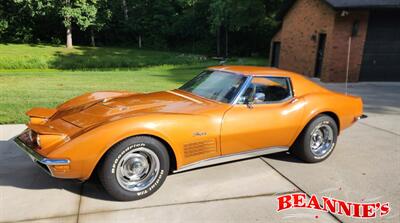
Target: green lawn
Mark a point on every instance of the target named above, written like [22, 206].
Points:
[13, 56]
[21, 89]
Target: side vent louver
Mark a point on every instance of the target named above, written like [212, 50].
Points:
[199, 148]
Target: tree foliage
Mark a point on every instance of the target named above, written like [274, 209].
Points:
[184, 25]
[79, 12]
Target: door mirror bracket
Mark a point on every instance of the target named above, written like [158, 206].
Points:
[249, 104]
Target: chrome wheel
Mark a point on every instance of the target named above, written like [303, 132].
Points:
[321, 141]
[138, 169]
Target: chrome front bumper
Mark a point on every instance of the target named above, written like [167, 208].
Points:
[40, 160]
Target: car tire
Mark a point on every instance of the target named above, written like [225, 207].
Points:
[317, 140]
[134, 168]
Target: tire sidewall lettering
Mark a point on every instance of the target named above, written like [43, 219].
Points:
[154, 185]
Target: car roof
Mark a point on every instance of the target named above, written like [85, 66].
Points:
[255, 71]
[300, 83]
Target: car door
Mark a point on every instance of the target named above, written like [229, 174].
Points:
[266, 115]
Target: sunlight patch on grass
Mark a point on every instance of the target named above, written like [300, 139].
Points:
[29, 79]
[23, 56]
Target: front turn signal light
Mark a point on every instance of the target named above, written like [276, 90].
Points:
[60, 168]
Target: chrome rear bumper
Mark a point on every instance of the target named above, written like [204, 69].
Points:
[40, 160]
[362, 117]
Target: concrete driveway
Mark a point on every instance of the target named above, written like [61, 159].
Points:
[364, 168]
[365, 164]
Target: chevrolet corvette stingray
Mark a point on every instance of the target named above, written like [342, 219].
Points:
[134, 140]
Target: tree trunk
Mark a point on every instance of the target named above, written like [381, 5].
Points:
[226, 42]
[218, 42]
[140, 41]
[69, 27]
[125, 9]
[69, 37]
[92, 40]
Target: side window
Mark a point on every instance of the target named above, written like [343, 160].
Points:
[263, 90]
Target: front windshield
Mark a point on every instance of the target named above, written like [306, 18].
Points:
[215, 85]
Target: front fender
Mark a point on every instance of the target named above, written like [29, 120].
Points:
[86, 150]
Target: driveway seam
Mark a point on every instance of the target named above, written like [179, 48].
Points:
[378, 128]
[166, 205]
[262, 158]
[80, 201]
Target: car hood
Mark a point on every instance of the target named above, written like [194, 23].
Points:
[108, 109]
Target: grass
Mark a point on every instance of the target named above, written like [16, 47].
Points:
[22, 56]
[14, 56]
[39, 86]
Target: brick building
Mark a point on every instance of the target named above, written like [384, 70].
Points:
[314, 39]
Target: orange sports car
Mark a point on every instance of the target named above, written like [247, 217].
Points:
[134, 140]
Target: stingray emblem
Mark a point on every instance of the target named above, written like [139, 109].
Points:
[199, 133]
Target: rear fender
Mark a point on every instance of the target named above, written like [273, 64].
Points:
[346, 108]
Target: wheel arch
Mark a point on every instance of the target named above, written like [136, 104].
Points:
[331, 114]
[171, 152]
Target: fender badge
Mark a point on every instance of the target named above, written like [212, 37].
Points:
[199, 133]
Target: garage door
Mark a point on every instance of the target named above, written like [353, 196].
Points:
[381, 60]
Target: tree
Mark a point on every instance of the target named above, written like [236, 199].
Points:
[151, 21]
[3, 22]
[240, 27]
[103, 17]
[220, 12]
[125, 9]
[80, 12]
[234, 16]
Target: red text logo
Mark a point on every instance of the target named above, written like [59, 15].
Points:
[334, 206]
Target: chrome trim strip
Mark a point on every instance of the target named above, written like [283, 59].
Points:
[231, 157]
[242, 90]
[363, 116]
[36, 157]
[288, 98]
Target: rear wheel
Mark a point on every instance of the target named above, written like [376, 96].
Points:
[134, 168]
[317, 140]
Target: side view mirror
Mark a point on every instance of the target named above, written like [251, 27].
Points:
[255, 99]
[259, 98]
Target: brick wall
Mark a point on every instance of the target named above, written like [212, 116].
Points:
[299, 35]
[299, 40]
[340, 43]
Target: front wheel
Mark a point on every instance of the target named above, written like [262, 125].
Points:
[317, 140]
[134, 168]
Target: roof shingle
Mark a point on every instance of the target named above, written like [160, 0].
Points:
[339, 4]
[346, 4]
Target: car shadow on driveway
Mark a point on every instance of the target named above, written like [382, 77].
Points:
[284, 156]
[18, 171]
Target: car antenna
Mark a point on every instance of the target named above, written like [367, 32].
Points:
[354, 31]
[348, 65]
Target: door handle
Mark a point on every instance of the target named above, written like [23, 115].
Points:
[293, 100]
